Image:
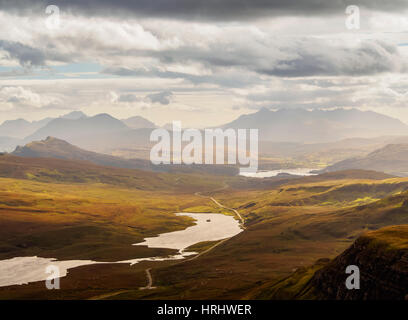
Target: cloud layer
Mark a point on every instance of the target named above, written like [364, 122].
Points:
[154, 58]
[221, 10]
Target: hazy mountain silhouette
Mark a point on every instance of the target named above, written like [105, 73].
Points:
[56, 148]
[90, 133]
[138, 122]
[60, 149]
[8, 144]
[74, 115]
[392, 159]
[291, 127]
[21, 128]
[299, 125]
[101, 132]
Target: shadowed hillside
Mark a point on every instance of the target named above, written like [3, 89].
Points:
[382, 257]
[392, 159]
[60, 149]
[75, 171]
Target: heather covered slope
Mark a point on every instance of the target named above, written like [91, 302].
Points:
[83, 172]
[78, 210]
[382, 257]
[71, 209]
[284, 232]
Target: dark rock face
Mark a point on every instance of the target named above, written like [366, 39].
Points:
[383, 273]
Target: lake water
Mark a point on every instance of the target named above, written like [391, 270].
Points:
[274, 173]
[208, 227]
[218, 227]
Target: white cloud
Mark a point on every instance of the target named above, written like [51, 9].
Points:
[202, 68]
[11, 97]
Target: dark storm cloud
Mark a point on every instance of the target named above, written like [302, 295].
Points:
[224, 79]
[301, 58]
[128, 97]
[203, 9]
[163, 97]
[29, 56]
[26, 56]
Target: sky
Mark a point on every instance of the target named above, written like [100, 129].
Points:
[200, 62]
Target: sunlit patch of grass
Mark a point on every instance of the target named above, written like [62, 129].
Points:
[87, 221]
[201, 246]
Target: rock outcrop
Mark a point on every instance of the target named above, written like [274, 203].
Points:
[382, 258]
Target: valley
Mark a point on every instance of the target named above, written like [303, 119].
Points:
[47, 211]
[308, 203]
[160, 151]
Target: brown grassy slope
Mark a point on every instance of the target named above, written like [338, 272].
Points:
[282, 239]
[75, 171]
[79, 210]
[382, 257]
[48, 214]
[60, 149]
[87, 221]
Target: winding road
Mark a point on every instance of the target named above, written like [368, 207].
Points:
[231, 209]
[149, 280]
[242, 222]
[148, 270]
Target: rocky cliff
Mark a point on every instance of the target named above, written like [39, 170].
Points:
[382, 257]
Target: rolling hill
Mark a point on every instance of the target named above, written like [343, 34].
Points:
[52, 170]
[382, 257]
[392, 158]
[60, 149]
[285, 233]
[287, 226]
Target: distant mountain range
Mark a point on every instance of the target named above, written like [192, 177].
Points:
[100, 132]
[21, 128]
[59, 149]
[392, 159]
[317, 126]
[296, 131]
[69, 129]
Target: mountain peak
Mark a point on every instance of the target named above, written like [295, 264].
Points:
[318, 125]
[138, 122]
[74, 115]
[104, 116]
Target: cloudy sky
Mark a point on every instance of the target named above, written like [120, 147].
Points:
[201, 62]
